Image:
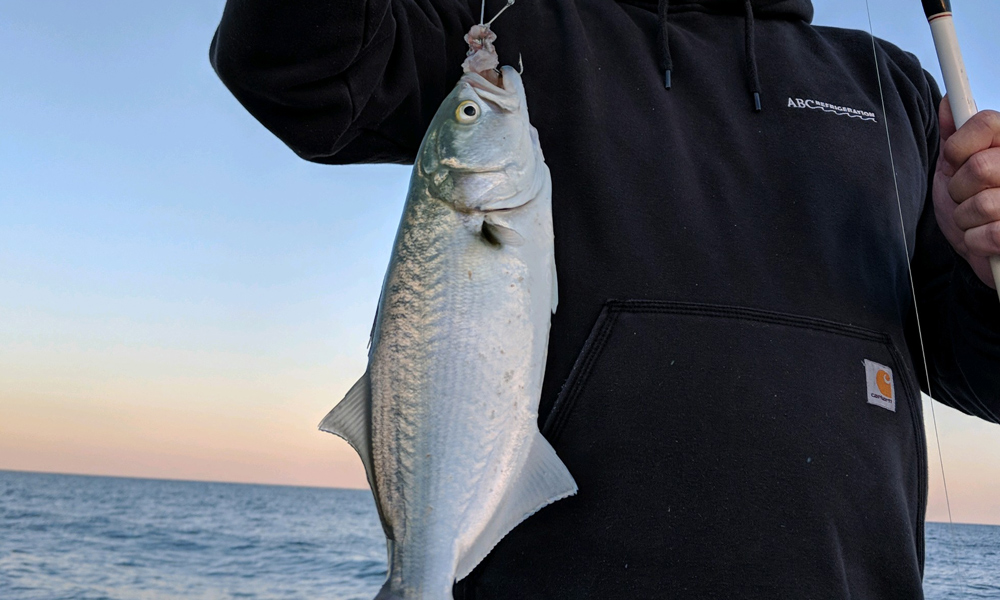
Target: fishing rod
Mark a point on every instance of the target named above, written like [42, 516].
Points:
[956, 80]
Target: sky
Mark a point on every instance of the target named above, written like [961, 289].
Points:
[182, 297]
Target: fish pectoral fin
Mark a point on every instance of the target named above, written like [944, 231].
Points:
[351, 419]
[543, 480]
[499, 235]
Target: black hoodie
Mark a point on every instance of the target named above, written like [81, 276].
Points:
[734, 374]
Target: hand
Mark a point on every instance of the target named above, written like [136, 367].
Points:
[967, 187]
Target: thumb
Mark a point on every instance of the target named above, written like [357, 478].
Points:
[946, 122]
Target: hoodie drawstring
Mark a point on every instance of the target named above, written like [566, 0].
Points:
[751, 52]
[667, 63]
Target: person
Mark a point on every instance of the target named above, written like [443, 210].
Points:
[734, 369]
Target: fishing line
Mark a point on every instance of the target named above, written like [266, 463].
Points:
[482, 13]
[508, 5]
[913, 292]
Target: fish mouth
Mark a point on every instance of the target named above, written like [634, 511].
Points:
[454, 167]
[476, 190]
[507, 97]
[479, 82]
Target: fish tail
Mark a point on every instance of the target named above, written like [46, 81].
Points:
[387, 593]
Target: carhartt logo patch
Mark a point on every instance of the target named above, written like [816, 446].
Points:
[881, 390]
[843, 111]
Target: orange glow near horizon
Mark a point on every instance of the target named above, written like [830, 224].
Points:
[203, 431]
[180, 427]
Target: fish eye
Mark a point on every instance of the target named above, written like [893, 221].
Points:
[467, 112]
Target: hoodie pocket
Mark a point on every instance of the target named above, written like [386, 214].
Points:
[706, 436]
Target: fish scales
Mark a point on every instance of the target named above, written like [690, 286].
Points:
[445, 418]
[444, 343]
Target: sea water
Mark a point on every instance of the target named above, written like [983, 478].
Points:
[71, 537]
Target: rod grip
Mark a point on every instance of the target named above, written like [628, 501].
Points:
[995, 266]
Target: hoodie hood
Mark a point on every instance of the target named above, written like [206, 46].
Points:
[792, 10]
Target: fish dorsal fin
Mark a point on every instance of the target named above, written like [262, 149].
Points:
[351, 419]
[543, 480]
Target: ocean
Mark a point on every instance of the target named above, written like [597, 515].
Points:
[72, 537]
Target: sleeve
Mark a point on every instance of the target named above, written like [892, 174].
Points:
[959, 315]
[343, 81]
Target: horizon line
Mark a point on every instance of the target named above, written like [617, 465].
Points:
[181, 480]
[288, 485]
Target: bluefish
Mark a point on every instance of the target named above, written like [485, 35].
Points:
[445, 417]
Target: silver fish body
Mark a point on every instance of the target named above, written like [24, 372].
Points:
[445, 418]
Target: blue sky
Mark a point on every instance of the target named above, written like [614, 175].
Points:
[170, 272]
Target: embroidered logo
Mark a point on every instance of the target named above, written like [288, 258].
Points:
[881, 390]
[844, 111]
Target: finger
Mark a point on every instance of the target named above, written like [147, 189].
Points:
[983, 240]
[980, 132]
[980, 172]
[981, 209]
[945, 119]
[946, 127]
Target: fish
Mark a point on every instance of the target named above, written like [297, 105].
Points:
[445, 416]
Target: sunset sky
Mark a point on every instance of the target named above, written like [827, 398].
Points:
[182, 297]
